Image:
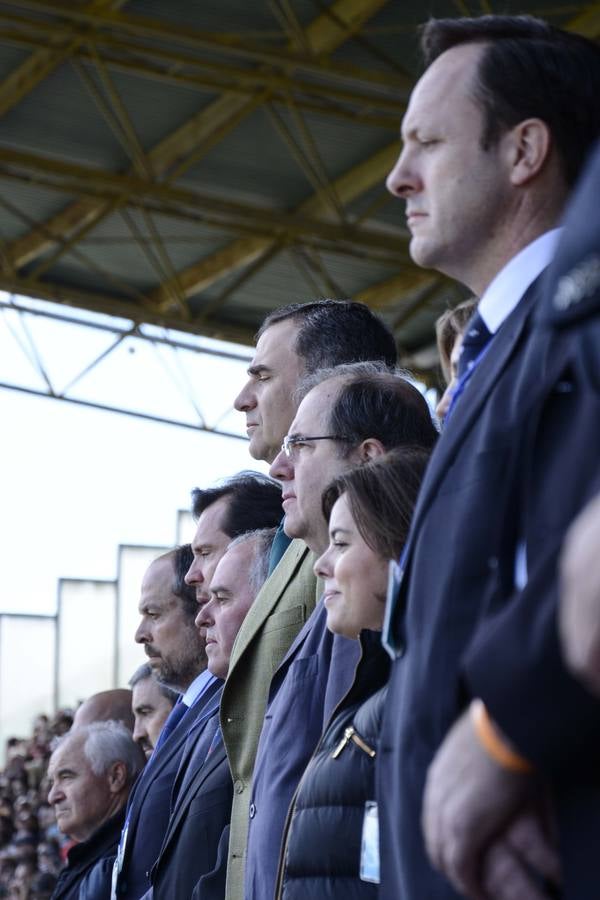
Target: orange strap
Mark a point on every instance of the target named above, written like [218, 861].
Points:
[493, 744]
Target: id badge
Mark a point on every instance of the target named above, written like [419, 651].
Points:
[118, 863]
[369, 851]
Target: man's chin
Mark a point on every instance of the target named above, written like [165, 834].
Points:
[257, 449]
[166, 679]
[292, 528]
[420, 253]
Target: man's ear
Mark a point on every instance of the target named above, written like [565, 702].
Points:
[530, 144]
[117, 777]
[370, 449]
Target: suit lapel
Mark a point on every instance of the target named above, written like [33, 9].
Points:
[469, 407]
[193, 736]
[165, 754]
[268, 597]
[184, 799]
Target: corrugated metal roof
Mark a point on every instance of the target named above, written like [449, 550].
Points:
[197, 164]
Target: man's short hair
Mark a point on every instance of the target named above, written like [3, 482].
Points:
[259, 568]
[255, 502]
[529, 69]
[373, 402]
[333, 332]
[182, 558]
[145, 671]
[105, 743]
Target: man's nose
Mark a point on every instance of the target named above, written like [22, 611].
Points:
[282, 467]
[194, 573]
[245, 400]
[204, 617]
[141, 635]
[401, 182]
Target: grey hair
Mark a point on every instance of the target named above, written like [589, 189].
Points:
[348, 370]
[105, 743]
[146, 671]
[259, 568]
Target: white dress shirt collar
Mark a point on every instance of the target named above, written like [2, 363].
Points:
[511, 282]
[197, 687]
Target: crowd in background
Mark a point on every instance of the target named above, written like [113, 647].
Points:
[32, 849]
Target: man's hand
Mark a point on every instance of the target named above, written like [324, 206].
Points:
[523, 860]
[469, 799]
[579, 615]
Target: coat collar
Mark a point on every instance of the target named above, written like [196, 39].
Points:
[268, 597]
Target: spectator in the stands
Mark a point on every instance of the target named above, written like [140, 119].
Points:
[90, 772]
[151, 703]
[114, 706]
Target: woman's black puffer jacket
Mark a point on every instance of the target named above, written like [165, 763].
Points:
[322, 841]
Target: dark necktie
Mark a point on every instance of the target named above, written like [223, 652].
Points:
[475, 338]
[173, 720]
[278, 547]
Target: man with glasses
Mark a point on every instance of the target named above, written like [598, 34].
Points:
[292, 342]
[349, 415]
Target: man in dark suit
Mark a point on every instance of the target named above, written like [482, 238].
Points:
[349, 415]
[176, 651]
[492, 146]
[574, 286]
[194, 851]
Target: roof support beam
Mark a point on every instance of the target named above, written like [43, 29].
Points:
[587, 23]
[230, 215]
[388, 293]
[192, 139]
[347, 187]
[22, 80]
[324, 34]
[105, 303]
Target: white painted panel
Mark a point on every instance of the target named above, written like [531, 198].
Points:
[86, 638]
[133, 562]
[185, 527]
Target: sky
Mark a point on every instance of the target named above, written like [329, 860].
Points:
[75, 481]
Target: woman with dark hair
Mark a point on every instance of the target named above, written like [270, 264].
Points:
[449, 331]
[327, 847]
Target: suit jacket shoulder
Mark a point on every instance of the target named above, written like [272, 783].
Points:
[285, 602]
[201, 814]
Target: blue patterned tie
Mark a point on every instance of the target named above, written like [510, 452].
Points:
[475, 338]
[173, 720]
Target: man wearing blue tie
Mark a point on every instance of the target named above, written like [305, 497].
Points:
[176, 651]
[193, 858]
[481, 709]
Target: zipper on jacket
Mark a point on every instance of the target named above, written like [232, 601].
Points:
[351, 735]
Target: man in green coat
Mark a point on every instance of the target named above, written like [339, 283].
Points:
[292, 342]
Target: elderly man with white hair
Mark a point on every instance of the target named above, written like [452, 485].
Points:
[90, 773]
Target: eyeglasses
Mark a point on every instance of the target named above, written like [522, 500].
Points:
[294, 440]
